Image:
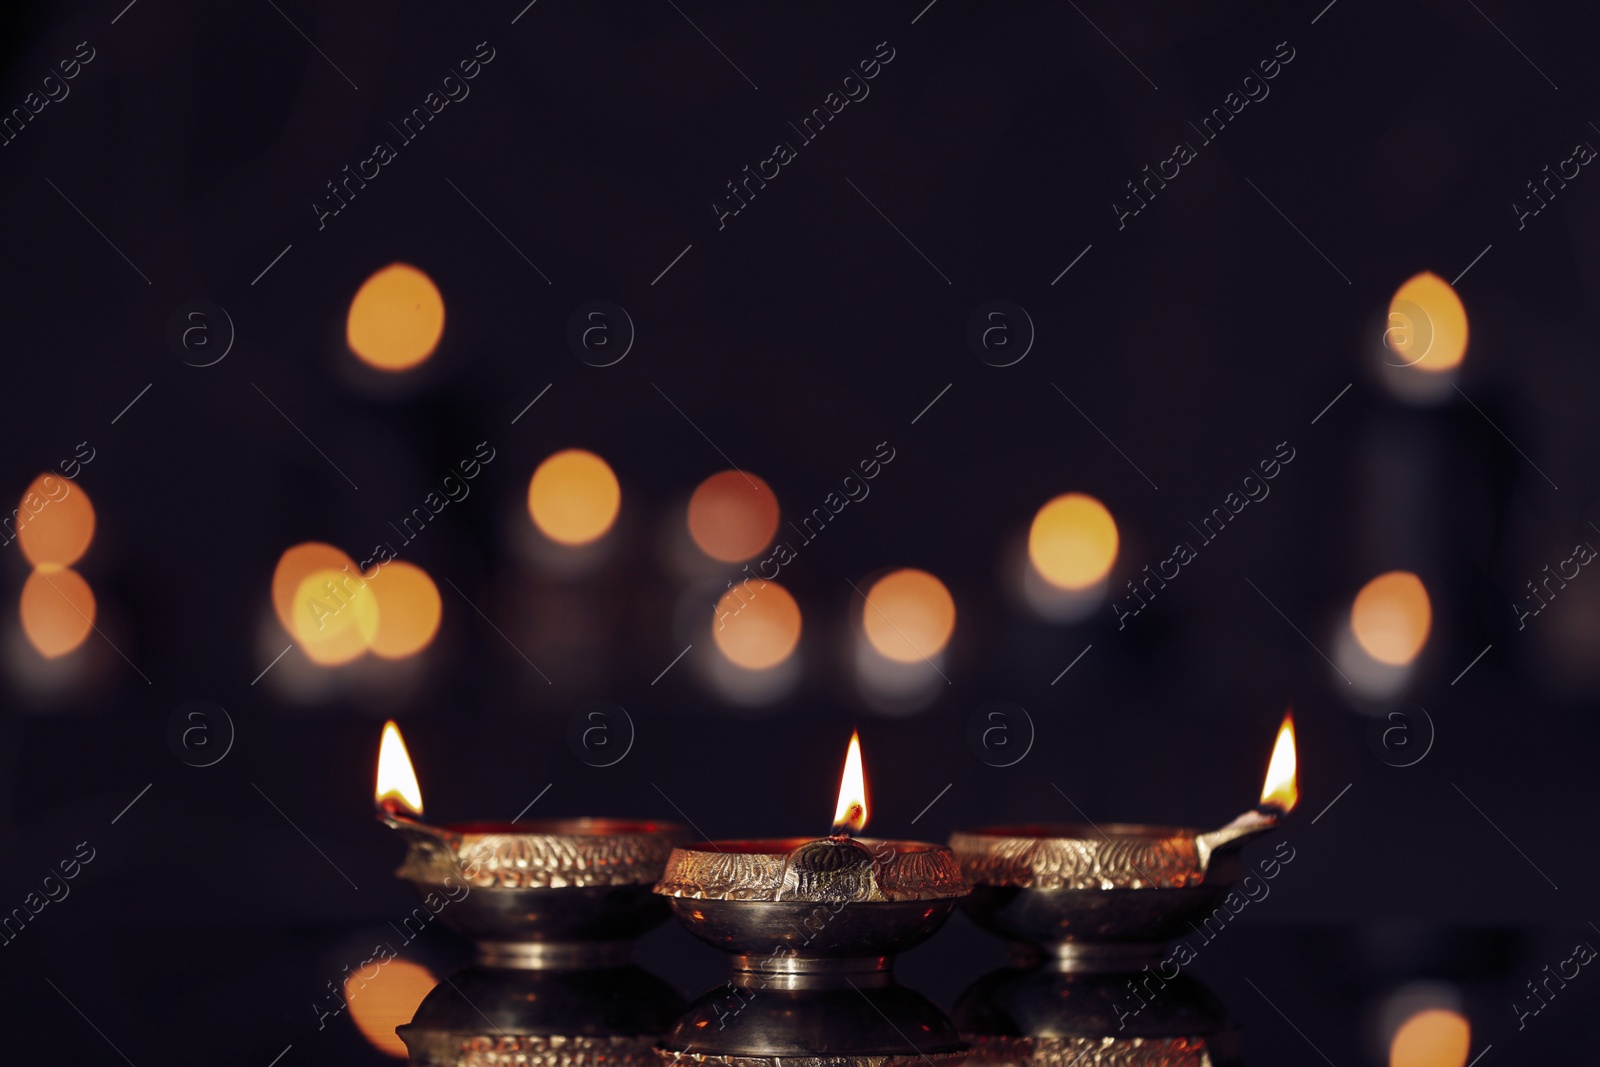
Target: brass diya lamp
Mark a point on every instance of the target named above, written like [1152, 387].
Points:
[541, 894]
[1112, 897]
[495, 1017]
[812, 907]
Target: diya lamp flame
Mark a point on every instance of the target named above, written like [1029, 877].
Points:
[1281, 791]
[850, 815]
[397, 792]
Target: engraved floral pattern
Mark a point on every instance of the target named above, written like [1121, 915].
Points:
[533, 860]
[878, 871]
[1079, 863]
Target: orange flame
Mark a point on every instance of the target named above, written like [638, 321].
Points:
[1281, 789]
[850, 816]
[397, 787]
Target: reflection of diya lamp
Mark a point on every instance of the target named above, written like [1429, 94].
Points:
[1111, 897]
[551, 893]
[752, 1022]
[495, 1017]
[1046, 1017]
[831, 905]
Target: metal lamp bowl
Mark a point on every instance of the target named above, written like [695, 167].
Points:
[1100, 897]
[561, 892]
[807, 906]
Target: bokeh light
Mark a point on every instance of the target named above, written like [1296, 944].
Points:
[732, 516]
[1427, 325]
[408, 608]
[57, 609]
[574, 497]
[334, 617]
[55, 521]
[908, 616]
[1073, 541]
[379, 1003]
[1391, 617]
[335, 613]
[756, 625]
[297, 564]
[396, 318]
[1432, 1038]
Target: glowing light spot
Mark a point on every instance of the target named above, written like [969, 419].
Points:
[574, 497]
[389, 998]
[294, 566]
[55, 521]
[1073, 541]
[732, 516]
[396, 318]
[334, 617]
[1432, 1038]
[1391, 617]
[908, 616]
[57, 610]
[757, 625]
[1427, 325]
[408, 609]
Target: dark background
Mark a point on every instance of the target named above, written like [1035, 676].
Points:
[796, 339]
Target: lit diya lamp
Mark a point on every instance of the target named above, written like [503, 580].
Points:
[1112, 897]
[549, 893]
[833, 905]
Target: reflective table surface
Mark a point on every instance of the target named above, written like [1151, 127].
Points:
[1251, 992]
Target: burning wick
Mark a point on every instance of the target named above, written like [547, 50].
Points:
[850, 815]
[397, 793]
[845, 828]
[1280, 792]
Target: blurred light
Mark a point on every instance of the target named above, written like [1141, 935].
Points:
[1073, 541]
[1427, 325]
[850, 813]
[732, 516]
[1432, 1038]
[908, 616]
[397, 780]
[757, 625]
[1391, 618]
[334, 617]
[60, 529]
[408, 607]
[1281, 788]
[294, 566]
[574, 497]
[396, 318]
[386, 1000]
[57, 610]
